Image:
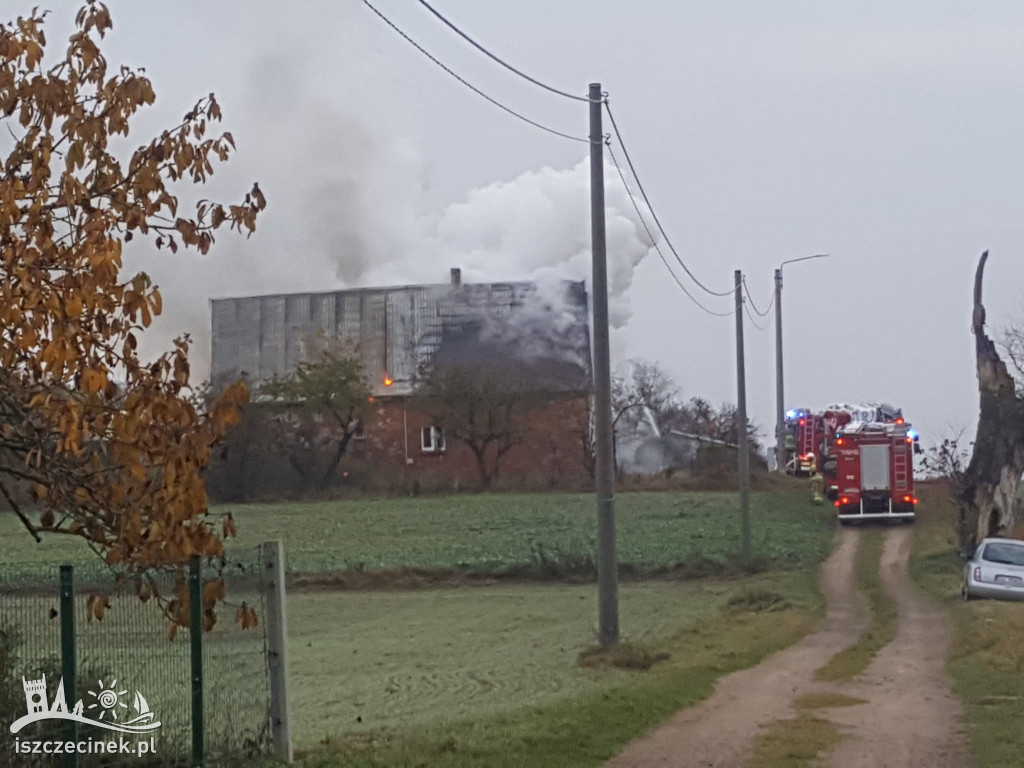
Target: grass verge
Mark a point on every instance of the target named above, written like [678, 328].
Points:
[853, 660]
[801, 740]
[586, 730]
[794, 743]
[987, 658]
[623, 656]
[374, 661]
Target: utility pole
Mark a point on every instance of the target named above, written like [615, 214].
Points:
[741, 426]
[780, 403]
[607, 565]
[780, 398]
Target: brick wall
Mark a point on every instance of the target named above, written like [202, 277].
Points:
[551, 454]
[389, 456]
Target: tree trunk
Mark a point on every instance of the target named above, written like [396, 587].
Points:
[301, 466]
[988, 495]
[332, 467]
[481, 466]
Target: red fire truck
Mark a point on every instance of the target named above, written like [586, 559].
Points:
[869, 471]
[806, 431]
[810, 435]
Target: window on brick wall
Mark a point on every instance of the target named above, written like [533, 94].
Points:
[359, 432]
[432, 440]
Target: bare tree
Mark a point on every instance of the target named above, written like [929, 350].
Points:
[947, 461]
[648, 392]
[318, 406]
[486, 408]
[1012, 344]
[648, 387]
[699, 417]
[988, 496]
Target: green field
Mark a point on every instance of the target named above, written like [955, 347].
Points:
[987, 659]
[409, 658]
[481, 532]
[489, 675]
[489, 678]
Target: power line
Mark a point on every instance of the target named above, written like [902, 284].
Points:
[498, 59]
[753, 319]
[654, 240]
[650, 207]
[771, 303]
[471, 87]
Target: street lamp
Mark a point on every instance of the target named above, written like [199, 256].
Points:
[780, 400]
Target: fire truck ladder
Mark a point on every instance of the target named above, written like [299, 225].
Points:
[899, 467]
[807, 437]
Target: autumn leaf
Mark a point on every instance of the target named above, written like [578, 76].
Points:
[257, 194]
[246, 617]
[96, 605]
[113, 448]
[74, 305]
[93, 380]
[213, 591]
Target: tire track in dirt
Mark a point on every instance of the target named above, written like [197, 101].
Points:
[720, 731]
[911, 717]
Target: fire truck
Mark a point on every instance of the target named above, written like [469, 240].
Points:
[805, 432]
[809, 435]
[869, 471]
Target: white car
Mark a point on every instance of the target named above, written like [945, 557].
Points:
[996, 571]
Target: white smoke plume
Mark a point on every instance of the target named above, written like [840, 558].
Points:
[535, 227]
[348, 207]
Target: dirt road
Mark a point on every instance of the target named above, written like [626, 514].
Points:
[910, 717]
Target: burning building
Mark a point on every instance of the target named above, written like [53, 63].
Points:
[539, 331]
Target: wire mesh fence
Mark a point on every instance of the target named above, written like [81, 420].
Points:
[131, 667]
[235, 659]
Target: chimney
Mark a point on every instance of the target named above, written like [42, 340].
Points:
[456, 277]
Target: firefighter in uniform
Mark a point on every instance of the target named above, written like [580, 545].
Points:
[817, 485]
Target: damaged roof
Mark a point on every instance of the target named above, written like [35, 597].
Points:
[542, 329]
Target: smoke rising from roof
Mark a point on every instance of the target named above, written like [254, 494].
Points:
[349, 206]
[534, 227]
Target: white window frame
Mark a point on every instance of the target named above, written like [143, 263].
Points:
[436, 443]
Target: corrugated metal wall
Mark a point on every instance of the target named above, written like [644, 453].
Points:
[396, 329]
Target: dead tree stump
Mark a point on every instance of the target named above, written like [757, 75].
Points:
[988, 495]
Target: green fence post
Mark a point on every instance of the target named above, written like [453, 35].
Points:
[195, 592]
[68, 667]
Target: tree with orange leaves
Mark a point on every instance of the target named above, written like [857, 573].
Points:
[110, 447]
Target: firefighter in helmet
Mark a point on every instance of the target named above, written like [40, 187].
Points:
[790, 453]
[817, 484]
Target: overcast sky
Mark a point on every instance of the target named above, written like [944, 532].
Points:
[886, 134]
